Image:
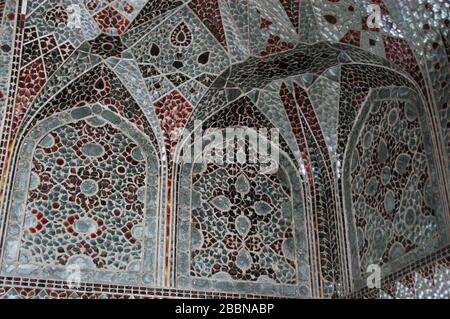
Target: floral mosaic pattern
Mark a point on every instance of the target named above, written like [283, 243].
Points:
[94, 94]
[396, 208]
[249, 236]
[93, 177]
[86, 202]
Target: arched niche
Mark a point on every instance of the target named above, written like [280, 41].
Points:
[392, 200]
[85, 198]
[241, 226]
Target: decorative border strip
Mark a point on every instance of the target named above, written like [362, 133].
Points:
[120, 290]
[7, 34]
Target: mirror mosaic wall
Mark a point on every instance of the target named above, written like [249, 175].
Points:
[102, 100]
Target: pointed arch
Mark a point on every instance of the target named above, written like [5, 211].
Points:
[76, 211]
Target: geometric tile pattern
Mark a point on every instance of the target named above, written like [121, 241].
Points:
[100, 99]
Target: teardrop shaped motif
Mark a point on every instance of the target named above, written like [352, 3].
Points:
[242, 184]
[262, 208]
[244, 259]
[154, 50]
[222, 203]
[243, 225]
[203, 58]
[181, 36]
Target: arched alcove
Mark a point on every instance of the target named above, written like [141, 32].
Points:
[241, 226]
[84, 199]
[394, 210]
